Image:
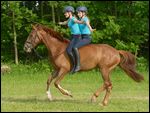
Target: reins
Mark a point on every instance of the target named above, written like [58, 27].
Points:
[54, 57]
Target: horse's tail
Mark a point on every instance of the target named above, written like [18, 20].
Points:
[128, 64]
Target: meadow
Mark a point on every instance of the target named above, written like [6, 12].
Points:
[24, 89]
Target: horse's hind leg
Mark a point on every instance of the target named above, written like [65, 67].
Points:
[102, 88]
[50, 78]
[107, 84]
[97, 93]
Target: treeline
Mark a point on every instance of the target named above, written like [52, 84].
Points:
[121, 24]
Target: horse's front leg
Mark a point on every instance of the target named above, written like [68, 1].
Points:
[62, 72]
[50, 78]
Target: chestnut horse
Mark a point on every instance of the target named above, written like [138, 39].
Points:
[102, 56]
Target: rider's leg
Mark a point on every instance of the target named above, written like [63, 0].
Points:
[77, 57]
[69, 50]
[86, 39]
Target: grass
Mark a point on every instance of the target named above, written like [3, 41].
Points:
[24, 89]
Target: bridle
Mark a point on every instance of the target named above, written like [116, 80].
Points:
[29, 44]
[32, 42]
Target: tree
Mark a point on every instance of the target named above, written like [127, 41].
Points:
[15, 38]
[13, 6]
[122, 24]
[53, 5]
[14, 24]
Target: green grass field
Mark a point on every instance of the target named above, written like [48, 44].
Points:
[24, 89]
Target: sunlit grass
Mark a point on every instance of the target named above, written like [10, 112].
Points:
[24, 89]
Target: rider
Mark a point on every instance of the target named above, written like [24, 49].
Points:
[86, 30]
[75, 33]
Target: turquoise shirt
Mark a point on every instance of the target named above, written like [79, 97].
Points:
[74, 27]
[83, 27]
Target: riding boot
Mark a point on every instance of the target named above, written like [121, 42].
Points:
[72, 58]
[77, 57]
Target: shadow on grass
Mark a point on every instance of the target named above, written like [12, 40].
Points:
[44, 100]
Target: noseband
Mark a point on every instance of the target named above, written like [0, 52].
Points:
[30, 44]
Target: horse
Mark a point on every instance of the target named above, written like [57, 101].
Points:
[101, 56]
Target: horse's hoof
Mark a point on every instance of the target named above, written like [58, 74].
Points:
[104, 103]
[101, 104]
[93, 99]
[70, 95]
[50, 98]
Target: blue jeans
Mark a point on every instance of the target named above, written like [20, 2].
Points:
[86, 39]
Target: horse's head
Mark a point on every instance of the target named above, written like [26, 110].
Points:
[33, 39]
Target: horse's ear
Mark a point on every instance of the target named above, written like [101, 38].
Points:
[33, 26]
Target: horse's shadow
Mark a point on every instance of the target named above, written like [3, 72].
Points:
[44, 100]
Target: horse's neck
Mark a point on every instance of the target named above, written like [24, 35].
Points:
[54, 46]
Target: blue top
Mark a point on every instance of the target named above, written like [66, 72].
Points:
[74, 27]
[83, 27]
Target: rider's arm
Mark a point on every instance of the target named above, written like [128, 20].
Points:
[85, 22]
[63, 23]
[89, 26]
[79, 21]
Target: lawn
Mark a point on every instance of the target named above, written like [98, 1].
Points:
[24, 89]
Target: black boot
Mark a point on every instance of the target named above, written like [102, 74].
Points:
[72, 59]
[77, 57]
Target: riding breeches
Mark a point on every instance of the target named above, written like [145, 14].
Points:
[75, 39]
[86, 39]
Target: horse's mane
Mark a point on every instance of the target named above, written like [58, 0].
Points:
[53, 33]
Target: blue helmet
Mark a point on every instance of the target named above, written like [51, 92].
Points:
[68, 9]
[82, 9]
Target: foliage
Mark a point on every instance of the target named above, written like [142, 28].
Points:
[22, 24]
[121, 24]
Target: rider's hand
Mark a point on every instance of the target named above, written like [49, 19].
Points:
[60, 23]
[75, 21]
[92, 30]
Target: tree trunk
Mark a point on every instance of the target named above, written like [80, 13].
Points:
[129, 16]
[58, 15]
[41, 9]
[53, 14]
[136, 53]
[116, 9]
[15, 40]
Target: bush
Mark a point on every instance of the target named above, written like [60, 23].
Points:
[142, 63]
